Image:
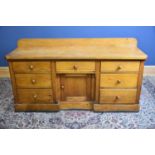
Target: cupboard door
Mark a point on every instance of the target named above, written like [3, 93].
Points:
[76, 87]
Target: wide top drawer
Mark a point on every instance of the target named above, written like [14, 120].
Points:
[75, 67]
[120, 66]
[31, 67]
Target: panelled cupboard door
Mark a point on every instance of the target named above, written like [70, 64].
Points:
[76, 87]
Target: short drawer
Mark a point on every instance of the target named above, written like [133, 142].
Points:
[31, 67]
[120, 96]
[118, 80]
[120, 66]
[75, 67]
[33, 80]
[34, 96]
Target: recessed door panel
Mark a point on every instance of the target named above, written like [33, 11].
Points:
[76, 87]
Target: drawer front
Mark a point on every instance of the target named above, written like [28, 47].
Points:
[31, 67]
[118, 80]
[33, 80]
[120, 96]
[120, 66]
[34, 95]
[75, 66]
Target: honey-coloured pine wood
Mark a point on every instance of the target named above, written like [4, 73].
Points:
[118, 96]
[31, 67]
[33, 96]
[116, 42]
[33, 80]
[36, 107]
[116, 107]
[75, 67]
[118, 80]
[100, 74]
[120, 66]
[76, 87]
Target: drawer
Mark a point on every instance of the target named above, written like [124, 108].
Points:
[120, 66]
[75, 67]
[118, 80]
[31, 67]
[120, 96]
[33, 80]
[34, 96]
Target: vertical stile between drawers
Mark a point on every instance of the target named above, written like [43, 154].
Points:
[97, 74]
[53, 78]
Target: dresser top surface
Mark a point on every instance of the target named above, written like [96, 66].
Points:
[65, 49]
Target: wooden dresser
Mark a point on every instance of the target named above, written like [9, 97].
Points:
[99, 74]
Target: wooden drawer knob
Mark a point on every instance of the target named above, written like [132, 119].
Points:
[35, 96]
[119, 68]
[75, 67]
[118, 81]
[62, 86]
[31, 67]
[33, 81]
[117, 98]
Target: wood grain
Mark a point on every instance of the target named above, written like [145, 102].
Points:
[36, 107]
[101, 74]
[97, 81]
[75, 67]
[34, 96]
[119, 80]
[31, 67]
[33, 80]
[53, 81]
[87, 105]
[120, 66]
[109, 107]
[13, 82]
[121, 42]
[148, 70]
[140, 78]
[77, 53]
[76, 87]
[118, 96]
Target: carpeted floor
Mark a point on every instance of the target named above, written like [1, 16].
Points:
[72, 119]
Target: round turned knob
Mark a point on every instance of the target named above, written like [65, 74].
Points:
[117, 98]
[62, 86]
[33, 81]
[75, 67]
[31, 67]
[119, 68]
[118, 82]
[35, 96]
